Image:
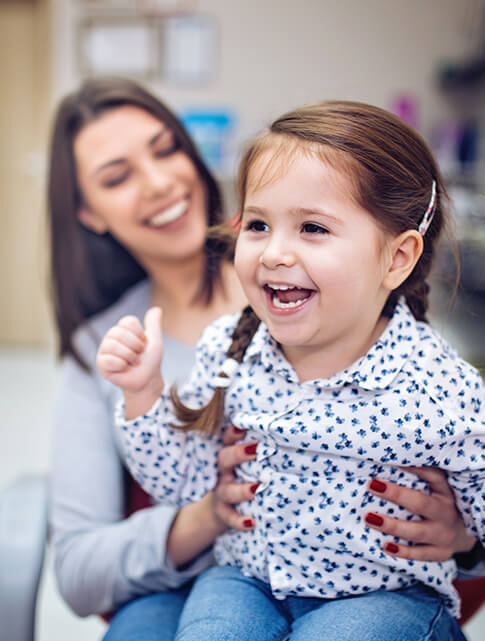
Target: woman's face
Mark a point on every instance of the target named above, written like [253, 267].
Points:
[139, 185]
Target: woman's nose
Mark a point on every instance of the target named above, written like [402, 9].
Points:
[277, 253]
[156, 181]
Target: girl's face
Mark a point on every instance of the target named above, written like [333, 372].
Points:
[137, 184]
[312, 262]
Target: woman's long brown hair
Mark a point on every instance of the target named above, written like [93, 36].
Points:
[90, 272]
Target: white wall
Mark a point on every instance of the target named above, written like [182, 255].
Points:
[276, 54]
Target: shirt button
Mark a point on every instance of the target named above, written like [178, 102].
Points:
[279, 597]
[265, 476]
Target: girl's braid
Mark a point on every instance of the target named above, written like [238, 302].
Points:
[208, 419]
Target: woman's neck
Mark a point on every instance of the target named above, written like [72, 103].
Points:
[175, 284]
[174, 289]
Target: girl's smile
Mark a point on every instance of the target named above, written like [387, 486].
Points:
[313, 265]
[287, 299]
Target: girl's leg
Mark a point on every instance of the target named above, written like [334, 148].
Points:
[150, 618]
[415, 613]
[224, 605]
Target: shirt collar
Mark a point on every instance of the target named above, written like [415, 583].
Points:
[374, 371]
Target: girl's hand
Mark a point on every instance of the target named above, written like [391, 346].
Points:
[228, 492]
[130, 357]
[441, 532]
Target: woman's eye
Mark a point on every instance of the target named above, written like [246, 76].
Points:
[167, 149]
[115, 180]
[257, 225]
[313, 228]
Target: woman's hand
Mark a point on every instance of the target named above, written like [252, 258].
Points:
[228, 492]
[438, 535]
[196, 526]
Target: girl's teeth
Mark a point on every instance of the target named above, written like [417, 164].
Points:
[278, 303]
[169, 215]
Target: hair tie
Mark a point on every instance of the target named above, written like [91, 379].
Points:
[429, 213]
[228, 369]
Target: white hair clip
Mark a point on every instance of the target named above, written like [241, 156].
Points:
[228, 369]
[429, 213]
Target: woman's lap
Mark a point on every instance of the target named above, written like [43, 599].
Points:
[224, 605]
[149, 618]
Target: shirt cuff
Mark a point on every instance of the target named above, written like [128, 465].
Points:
[121, 420]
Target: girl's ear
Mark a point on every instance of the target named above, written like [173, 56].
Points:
[91, 220]
[406, 250]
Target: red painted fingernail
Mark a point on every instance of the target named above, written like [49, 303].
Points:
[251, 449]
[248, 522]
[392, 548]
[378, 486]
[374, 519]
[254, 487]
[238, 430]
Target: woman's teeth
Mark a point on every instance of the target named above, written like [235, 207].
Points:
[169, 215]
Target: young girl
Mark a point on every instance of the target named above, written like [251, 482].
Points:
[337, 375]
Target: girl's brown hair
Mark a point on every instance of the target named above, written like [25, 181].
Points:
[389, 166]
[391, 171]
[90, 272]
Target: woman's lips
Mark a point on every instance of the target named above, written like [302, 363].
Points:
[169, 215]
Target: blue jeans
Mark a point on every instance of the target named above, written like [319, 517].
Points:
[224, 605]
[148, 618]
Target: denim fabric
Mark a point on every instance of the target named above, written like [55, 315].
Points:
[225, 605]
[149, 618]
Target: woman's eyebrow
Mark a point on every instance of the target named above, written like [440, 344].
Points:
[117, 161]
[154, 139]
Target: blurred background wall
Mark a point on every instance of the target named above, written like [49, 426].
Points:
[268, 56]
[227, 68]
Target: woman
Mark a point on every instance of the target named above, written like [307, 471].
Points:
[129, 202]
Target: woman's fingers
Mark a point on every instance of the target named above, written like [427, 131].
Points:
[435, 477]
[232, 435]
[418, 552]
[439, 505]
[233, 455]
[420, 532]
[231, 517]
[231, 492]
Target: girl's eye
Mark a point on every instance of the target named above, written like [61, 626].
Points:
[313, 228]
[257, 225]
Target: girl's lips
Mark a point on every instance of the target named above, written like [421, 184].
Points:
[291, 300]
[169, 215]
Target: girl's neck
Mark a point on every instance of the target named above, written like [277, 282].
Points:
[324, 363]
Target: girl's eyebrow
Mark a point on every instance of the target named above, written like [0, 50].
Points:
[118, 161]
[298, 211]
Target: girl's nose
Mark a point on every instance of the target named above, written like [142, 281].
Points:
[277, 253]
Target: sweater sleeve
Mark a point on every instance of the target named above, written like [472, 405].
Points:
[101, 559]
